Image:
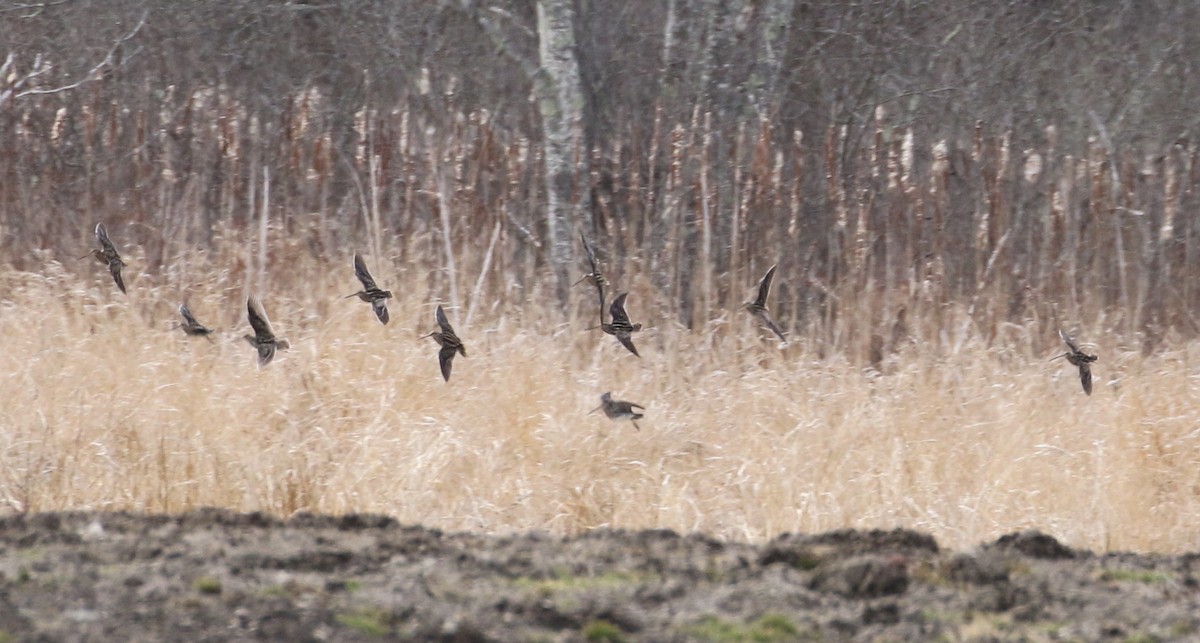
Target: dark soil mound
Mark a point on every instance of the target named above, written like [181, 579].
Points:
[217, 575]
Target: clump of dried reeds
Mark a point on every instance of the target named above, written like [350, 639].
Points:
[108, 407]
[923, 283]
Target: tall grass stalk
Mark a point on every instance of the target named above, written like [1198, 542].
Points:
[108, 407]
[923, 283]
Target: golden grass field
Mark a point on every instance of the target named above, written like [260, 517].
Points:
[106, 406]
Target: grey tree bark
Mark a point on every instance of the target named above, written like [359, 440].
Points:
[703, 42]
[558, 91]
[560, 103]
[761, 87]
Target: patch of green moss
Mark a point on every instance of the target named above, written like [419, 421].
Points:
[207, 585]
[368, 621]
[712, 628]
[564, 582]
[773, 627]
[931, 615]
[924, 572]
[767, 628]
[1134, 576]
[806, 561]
[1181, 629]
[278, 591]
[289, 589]
[1053, 628]
[601, 631]
[978, 627]
[31, 554]
[1019, 568]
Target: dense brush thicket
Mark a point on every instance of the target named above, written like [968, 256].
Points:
[1029, 162]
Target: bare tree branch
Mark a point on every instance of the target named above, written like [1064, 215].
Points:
[497, 35]
[39, 67]
[35, 9]
[94, 73]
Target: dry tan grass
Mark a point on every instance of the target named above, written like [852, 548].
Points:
[107, 407]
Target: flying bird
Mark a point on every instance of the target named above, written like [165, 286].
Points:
[449, 342]
[191, 326]
[619, 410]
[370, 292]
[263, 339]
[620, 326]
[108, 255]
[594, 277]
[1080, 359]
[758, 307]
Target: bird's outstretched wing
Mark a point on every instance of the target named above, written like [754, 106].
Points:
[102, 237]
[617, 310]
[764, 288]
[187, 316]
[446, 360]
[381, 310]
[591, 254]
[1068, 341]
[442, 321]
[260, 323]
[597, 278]
[627, 342]
[770, 323]
[1085, 377]
[114, 268]
[266, 353]
[360, 271]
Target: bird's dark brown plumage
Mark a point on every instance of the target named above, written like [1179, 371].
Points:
[620, 326]
[371, 293]
[191, 326]
[619, 409]
[594, 277]
[1079, 359]
[107, 254]
[758, 307]
[263, 339]
[449, 342]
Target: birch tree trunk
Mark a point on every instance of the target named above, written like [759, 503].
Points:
[761, 87]
[705, 43]
[559, 92]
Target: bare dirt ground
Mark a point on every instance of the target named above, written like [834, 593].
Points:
[214, 575]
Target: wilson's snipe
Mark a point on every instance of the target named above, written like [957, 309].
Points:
[758, 307]
[1080, 359]
[449, 342]
[107, 254]
[619, 410]
[191, 326]
[594, 277]
[620, 326]
[370, 292]
[263, 338]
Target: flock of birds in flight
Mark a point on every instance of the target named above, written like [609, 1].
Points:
[266, 343]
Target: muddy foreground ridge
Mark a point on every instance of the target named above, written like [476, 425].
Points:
[220, 575]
